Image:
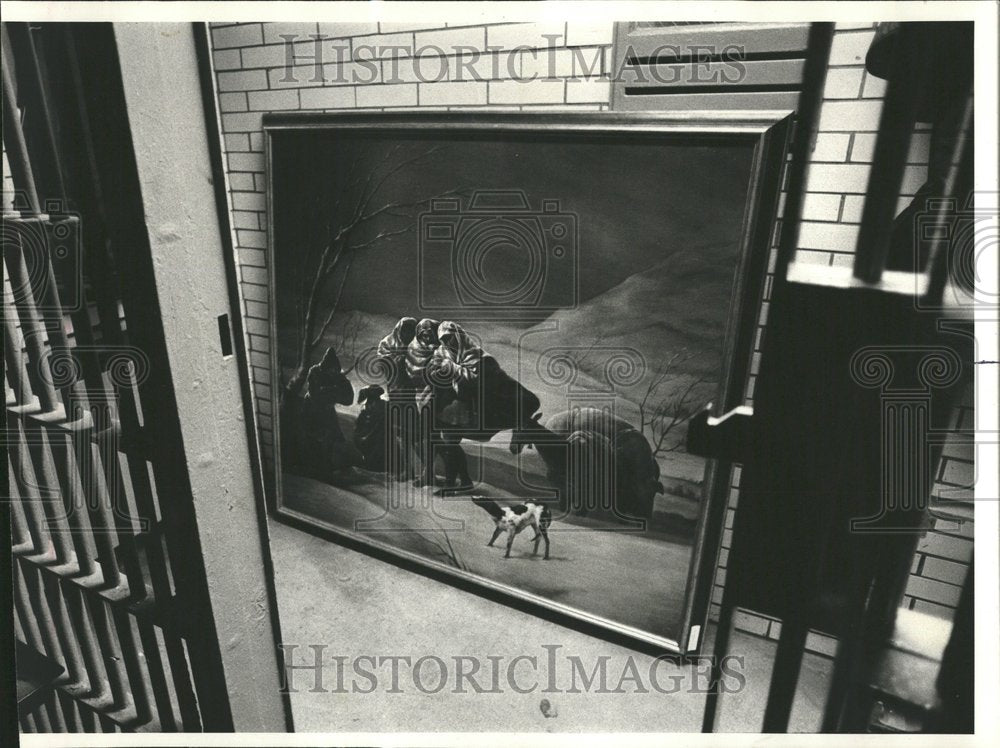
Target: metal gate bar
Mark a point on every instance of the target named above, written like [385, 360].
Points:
[107, 579]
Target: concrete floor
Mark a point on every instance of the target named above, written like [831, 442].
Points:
[357, 605]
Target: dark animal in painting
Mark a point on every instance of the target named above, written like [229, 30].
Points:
[370, 428]
[583, 448]
[513, 519]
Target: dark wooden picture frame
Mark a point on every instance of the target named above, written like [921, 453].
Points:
[765, 134]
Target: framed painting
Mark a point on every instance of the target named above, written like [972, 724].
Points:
[490, 331]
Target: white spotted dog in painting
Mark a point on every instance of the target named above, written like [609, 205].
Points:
[513, 519]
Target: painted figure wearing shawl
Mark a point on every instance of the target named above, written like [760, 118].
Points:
[454, 373]
[473, 398]
[482, 399]
[453, 377]
[391, 354]
[327, 387]
[418, 355]
[420, 351]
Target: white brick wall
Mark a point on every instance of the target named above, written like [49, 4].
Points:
[535, 35]
[237, 35]
[844, 149]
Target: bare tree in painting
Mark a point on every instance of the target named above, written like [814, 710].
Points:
[662, 415]
[345, 341]
[324, 274]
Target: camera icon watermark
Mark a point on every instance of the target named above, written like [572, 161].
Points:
[45, 258]
[966, 235]
[497, 254]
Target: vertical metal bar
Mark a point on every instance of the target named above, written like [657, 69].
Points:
[840, 680]
[186, 700]
[152, 538]
[39, 609]
[29, 624]
[106, 723]
[16, 372]
[81, 467]
[107, 438]
[51, 309]
[28, 488]
[805, 129]
[157, 677]
[19, 634]
[96, 503]
[806, 126]
[97, 677]
[87, 721]
[54, 712]
[31, 327]
[110, 651]
[957, 190]
[131, 431]
[61, 444]
[8, 630]
[42, 723]
[76, 681]
[138, 687]
[38, 448]
[723, 633]
[20, 535]
[107, 434]
[785, 674]
[101, 269]
[67, 705]
[30, 62]
[892, 144]
[14, 143]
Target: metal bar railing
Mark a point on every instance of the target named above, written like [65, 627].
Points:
[37, 100]
[807, 120]
[889, 162]
[14, 142]
[105, 584]
[24, 311]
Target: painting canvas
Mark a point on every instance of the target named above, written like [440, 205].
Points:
[489, 343]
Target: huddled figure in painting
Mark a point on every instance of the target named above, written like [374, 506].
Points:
[445, 388]
[453, 395]
[457, 392]
[327, 387]
[419, 353]
[391, 353]
[473, 398]
[382, 452]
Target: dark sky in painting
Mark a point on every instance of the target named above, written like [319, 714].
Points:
[636, 199]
